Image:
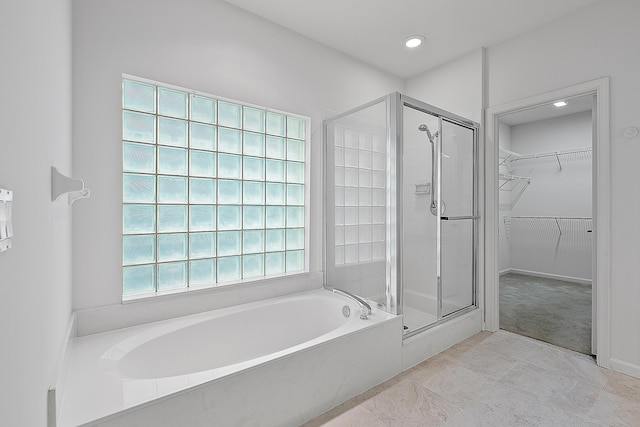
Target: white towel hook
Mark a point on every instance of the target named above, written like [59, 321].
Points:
[62, 184]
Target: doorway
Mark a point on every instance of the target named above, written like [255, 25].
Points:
[600, 234]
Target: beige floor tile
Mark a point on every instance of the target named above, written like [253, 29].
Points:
[503, 406]
[614, 411]
[458, 384]
[357, 416]
[466, 419]
[409, 404]
[512, 345]
[482, 360]
[623, 386]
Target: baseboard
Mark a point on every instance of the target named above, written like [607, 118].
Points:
[505, 271]
[55, 393]
[626, 368]
[548, 276]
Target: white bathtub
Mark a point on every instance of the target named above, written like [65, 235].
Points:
[275, 362]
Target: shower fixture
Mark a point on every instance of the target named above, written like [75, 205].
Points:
[432, 207]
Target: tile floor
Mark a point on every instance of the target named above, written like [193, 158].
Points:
[499, 379]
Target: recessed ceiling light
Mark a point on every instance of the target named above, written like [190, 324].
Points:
[414, 41]
[559, 104]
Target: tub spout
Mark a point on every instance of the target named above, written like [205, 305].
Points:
[365, 309]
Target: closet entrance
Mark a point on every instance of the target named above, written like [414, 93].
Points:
[545, 243]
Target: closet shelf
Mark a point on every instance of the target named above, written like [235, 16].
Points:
[584, 224]
[507, 157]
[513, 183]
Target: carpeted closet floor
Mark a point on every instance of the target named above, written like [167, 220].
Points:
[554, 311]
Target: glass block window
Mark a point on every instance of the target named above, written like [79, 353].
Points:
[213, 190]
[360, 195]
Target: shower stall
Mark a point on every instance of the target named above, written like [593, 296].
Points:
[401, 218]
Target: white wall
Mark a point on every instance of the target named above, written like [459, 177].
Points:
[35, 283]
[600, 40]
[206, 45]
[536, 245]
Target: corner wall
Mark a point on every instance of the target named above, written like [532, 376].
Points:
[35, 275]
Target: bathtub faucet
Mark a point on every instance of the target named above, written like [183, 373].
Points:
[365, 309]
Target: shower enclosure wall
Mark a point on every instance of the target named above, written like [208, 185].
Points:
[389, 165]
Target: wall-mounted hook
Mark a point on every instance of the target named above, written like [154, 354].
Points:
[61, 184]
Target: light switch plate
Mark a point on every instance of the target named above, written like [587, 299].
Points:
[6, 225]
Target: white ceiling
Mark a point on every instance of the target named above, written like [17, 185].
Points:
[374, 30]
[574, 105]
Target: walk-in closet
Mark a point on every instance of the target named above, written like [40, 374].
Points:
[546, 225]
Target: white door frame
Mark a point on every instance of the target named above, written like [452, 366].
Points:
[601, 213]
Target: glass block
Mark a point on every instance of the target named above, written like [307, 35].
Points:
[172, 103]
[339, 255]
[379, 197]
[253, 168]
[202, 191]
[138, 96]
[351, 177]
[275, 170]
[364, 196]
[339, 235]
[339, 196]
[350, 215]
[252, 266]
[338, 136]
[202, 245]
[229, 269]
[364, 252]
[253, 193]
[295, 194]
[339, 215]
[202, 218]
[364, 215]
[229, 217]
[172, 276]
[172, 161]
[378, 179]
[350, 158]
[379, 144]
[137, 280]
[275, 216]
[295, 150]
[253, 217]
[339, 176]
[275, 240]
[295, 261]
[172, 218]
[275, 147]
[295, 216]
[172, 189]
[276, 124]
[378, 215]
[339, 156]
[378, 233]
[202, 163]
[172, 132]
[202, 272]
[138, 219]
[351, 138]
[364, 178]
[295, 238]
[364, 140]
[351, 254]
[202, 136]
[229, 192]
[378, 162]
[138, 127]
[364, 159]
[138, 188]
[172, 247]
[275, 193]
[229, 243]
[253, 144]
[364, 234]
[295, 172]
[229, 166]
[273, 263]
[378, 251]
[350, 196]
[138, 249]
[229, 115]
[350, 234]
[229, 140]
[203, 109]
[253, 241]
[295, 128]
[253, 119]
[138, 158]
